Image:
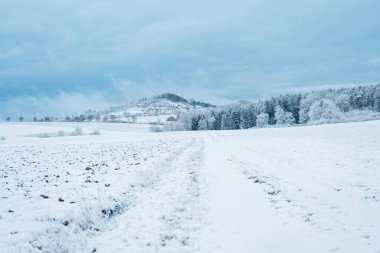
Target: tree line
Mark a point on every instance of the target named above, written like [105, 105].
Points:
[35, 119]
[315, 107]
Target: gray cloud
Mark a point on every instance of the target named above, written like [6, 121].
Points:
[245, 49]
[59, 105]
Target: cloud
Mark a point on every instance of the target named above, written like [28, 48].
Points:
[11, 52]
[130, 90]
[303, 89]
[65, 103]
[59, 105]
[210, 50]
[196, 87]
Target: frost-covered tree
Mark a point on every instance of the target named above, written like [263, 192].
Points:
[185, 118]
[203, 124]
[224, 123]
[305, 104]
[377, 98]
[234, 118]
[289, 119]
[248, 118]
[282, 117]
[292, 109]
[195, 122]
[270, 109]
[231, 119]
[279, 115]
[262, 120]
[343, 102]
[323, 111]
[216, 120]
[90, 117]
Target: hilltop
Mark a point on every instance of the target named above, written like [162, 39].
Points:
[154, 110]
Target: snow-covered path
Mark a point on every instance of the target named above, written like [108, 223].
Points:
[242, 218]
[287, 189]
[302, 189]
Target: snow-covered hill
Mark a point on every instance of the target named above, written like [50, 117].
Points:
[155, 110]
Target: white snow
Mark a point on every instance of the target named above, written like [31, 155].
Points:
[299, 189]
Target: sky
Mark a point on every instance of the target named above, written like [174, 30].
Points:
[63, 57]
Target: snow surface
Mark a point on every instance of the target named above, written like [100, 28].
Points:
[300, 189]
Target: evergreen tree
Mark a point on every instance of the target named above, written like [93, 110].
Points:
[203, 124]
[248, 118]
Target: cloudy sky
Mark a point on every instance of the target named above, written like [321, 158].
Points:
[58, 57]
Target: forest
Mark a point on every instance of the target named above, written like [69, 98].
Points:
[316, 107]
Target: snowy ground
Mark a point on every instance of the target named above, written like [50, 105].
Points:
[301, 189]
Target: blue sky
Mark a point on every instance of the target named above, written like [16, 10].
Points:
[58, 57]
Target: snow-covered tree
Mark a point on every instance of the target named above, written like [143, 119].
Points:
[328, 105]
[234, 118]
[231, 118]
[282, 117]
[279, 115]
[185, 118]
[305, 104]
[248, 118]
[289, 119]
[203, 124]
[343, 102]
[224, 122]
[262, 120]
[377, 98]
[323, 111]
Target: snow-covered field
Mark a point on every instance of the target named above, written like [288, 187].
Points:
[300, 189]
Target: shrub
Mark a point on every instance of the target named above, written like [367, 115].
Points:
[155, 129]
[174, 127]
[171, 118]
[3, 138]
[60, 133]
[44, 135]
[95, 132]
[77, 131]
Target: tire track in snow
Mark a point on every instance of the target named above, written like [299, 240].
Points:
[166, 214]
[296, 202]
[241, 217]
